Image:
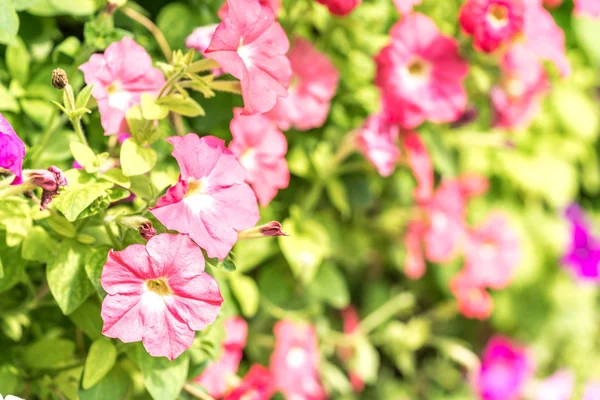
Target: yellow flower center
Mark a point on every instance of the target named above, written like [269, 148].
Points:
[159, 286]
[418, 68]
[498, 15]
[194, 187]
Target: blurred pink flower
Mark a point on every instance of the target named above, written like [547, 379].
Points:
[256, 385]
[414, 262]
[552, 3]
[559, 386]
[405, 6]
[216, 377]
[12, 151]
[158, 294]
[210, 202]
[419, 162]
[120, 76]
[275, 5]
[314, 83]
[378, 141]
[492, 23]
[505, 369]
[260, 148]
[420, 74]
[200, 38]
[492, 252]
[591, 390]
[251, 46]
[587, 7]
[340, 7]
[351, 323]
[473, 300]
[295, 361]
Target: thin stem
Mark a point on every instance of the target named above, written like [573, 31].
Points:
[16, 190]
[197, 393]
[314, 195]
[401, 302]
[148, 24]
[110, 232]
[78, 130]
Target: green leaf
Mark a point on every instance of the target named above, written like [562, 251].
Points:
[84, 156]
[9, 22]
[163, 379]
[84, 96]
[135, 159]
[100, 360]
[136, 122]
[227, 264]
[334, 378]
[21, 5]
[185, 106]
[246, 293]
[252, 253]
[142, 187]
[587, 30]
[48, 353]
[365, 361]
[69, 47]
[67, 278]
[577, 112]
[113, 386]
[87, 318]
[330, 285]
[7, 100]
[116, 176]
[85, 239]
[94, 263]
[82, 191]
[15, 217]
[38, 245]
[13, 265]
[9, 378]
[151, 110]
[61, 226]
[338, 196]
[40, 111]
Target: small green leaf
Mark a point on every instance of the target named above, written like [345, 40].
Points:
[135, 121]
[38, 245]
[84, 96]
[246, 292]
[9, 22]
[163, 379]
[85, 239]
[13, 265]
[82, 191]
[48, 353]
[18, 60]
[151, 110]
[365, 361]
[67, 278]
[83, 155]
[227, 86]
[94, 263]
[330, 285]
[185, 106]
[7, 100]
[227, 264]
[69, 47]
[61, 226]
[135, 159]
[116, 176]
[87, 318]
[112, 386]
[338, 196]
[100, 360]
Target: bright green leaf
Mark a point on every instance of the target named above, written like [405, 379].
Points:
[82, 191]
[61, 226]
[330, 285]
[9, 22]
[100, 360]
[112, 386]
[84, 96]
[151, 110]
[163, 379]
[136, 159]
[13, 265]
[7, 100]
[48, 353]
[83, 155]
[116, 176]
[185, 106]
[246, 292]
[38, 245]
[87, 318]
[94, 263]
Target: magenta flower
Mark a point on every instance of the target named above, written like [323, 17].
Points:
[583, 255]
[256, 385]
[217, 377]
[587, 7]
[251, 46]
[210, 202]
[559, 386]
[314, 83]
[12, 151]
[405, 6]
[505, 368]
[275, 5]
[158, 294]
[472, 299]
[340, 7]
[420, 74]
[120, 76]
[492, 252]
[492, 23]
[295, 361]
[378, 141]
[260, 148]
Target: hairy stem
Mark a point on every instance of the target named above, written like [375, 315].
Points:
[148, 24]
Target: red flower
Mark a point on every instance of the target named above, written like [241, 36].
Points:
[340, 7]
[256, 385]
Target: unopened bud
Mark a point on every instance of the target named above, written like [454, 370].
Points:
[267, 230]
[59, 78]
[50, 180]
[146, 230]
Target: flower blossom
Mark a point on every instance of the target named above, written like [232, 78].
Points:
[405, 6]
[275, 5]
[472, 298]
[417, 158]
[256, 385]
[12, 151]
[210, 202]
[295, 360]
[260, 148]
[50, 181]
[583, 255]
[313, 85]
[251, 46]
[559, 386]
[200, 38]
[420, 74]
[377, 140]
[351, 323]
[340, 7]
[505, 368]
[492, 23]
[119, 77]
[587, 7]
[217, 377]
[158, 294]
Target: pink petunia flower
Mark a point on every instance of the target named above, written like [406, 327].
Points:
[517, 99]
[260, 148]
[559, 386]
[505, 369]
[295, 361]
[217, 377]
[492, 252]
[251, 46]
[587, 7]
[405, 6]
[275, 5]
[420, 74]
[210, 202]
[158, 294]
[492, 23]
[256, 385]
[351, 323]
[200, 38]
[120, 76]
[591, 390]
[473, 300]
[340, 7]
[378, 141]
[314, 83]
[12, 151]
[417, 158]
[414, 262]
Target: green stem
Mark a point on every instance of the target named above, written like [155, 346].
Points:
[401, 302]
[47, 135]
[314, 195]
[16, 190]
[109, 231]
[78, 130]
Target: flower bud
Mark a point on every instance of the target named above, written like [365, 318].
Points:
[146, 230]
[270, 229]
[50, 180]
[59, 78]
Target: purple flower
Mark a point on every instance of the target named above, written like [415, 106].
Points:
[12, 150]
[583, 255]
[505, 368]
